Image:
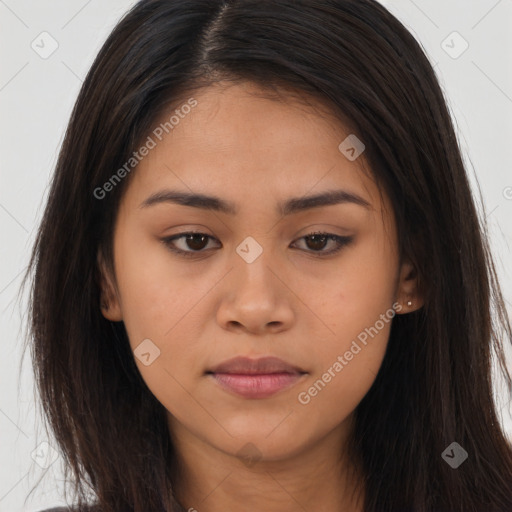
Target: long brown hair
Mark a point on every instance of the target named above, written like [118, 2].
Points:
[434, 386]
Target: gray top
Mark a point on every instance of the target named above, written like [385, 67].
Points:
[57, 509]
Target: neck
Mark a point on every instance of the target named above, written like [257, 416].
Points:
[319, 477]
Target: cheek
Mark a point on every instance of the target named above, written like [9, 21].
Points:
[358, 290]
[346, 368]
[357, 306]
[163, 316]
[152, 294]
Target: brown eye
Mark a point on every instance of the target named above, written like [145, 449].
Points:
[316, 243]
[196, 241]
[192, 243]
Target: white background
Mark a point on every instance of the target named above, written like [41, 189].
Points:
[36, 98]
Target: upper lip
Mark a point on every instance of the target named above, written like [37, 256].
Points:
[262, 365]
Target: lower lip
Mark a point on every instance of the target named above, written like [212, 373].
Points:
[256, 386]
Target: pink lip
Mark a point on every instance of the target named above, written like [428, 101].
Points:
[256, 386]
[262, 365]
[256, 378]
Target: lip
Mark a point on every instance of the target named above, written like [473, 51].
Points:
[262, 365]
[256, 378]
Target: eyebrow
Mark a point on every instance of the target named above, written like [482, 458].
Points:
[284, 208]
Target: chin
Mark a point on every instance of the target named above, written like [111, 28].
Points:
[262, 444]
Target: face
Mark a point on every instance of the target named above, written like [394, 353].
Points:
[311, 283]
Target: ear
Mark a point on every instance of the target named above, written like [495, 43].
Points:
[109, 300]
[409, 294]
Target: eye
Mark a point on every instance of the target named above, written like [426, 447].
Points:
[318, 241]
[197, 242]
[192, 240]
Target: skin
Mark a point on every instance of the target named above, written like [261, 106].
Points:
[290, 302]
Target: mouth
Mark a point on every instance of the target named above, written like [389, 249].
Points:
[256, 378]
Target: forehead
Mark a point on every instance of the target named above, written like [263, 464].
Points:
[238, 138]
[246, 116]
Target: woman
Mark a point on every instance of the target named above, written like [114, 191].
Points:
[261, 281]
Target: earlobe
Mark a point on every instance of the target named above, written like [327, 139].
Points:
[109, 302]
[409, 294]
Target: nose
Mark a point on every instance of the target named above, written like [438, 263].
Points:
[256, 298]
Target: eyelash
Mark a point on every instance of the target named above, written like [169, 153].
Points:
[341, 241]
